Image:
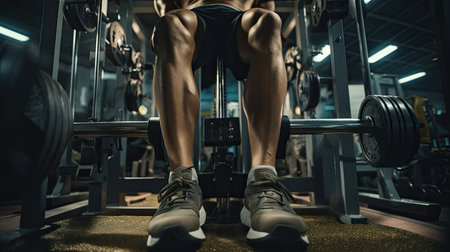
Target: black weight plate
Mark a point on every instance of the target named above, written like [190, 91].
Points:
[302, 85]
[399, 149]
[115, 41]
[50, 125]
[292, 60]
[67, 16]
[315, 94]
[50, 156]
[60, 143]
[407, 129]
[86, 15]
[375, 145]
[130, 97]
[415, 128]
[70, 17]
[82, 16]
[133, 94]
[67, 123]
[36, 110]
[138, 66]
[393, 121]
[307, 90]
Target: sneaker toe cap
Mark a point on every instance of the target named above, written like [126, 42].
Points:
[177, 217]
[265, 219]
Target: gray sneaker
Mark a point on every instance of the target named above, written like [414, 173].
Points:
[273, 223]
[176, 225]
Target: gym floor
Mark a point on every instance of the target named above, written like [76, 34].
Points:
[385, 232]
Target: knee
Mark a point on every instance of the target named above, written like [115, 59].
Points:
[175, 30]
[264, 29]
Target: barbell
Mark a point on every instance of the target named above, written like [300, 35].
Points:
[387, 126]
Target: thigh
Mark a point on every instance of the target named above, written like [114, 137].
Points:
[178, 22]
[248, 21]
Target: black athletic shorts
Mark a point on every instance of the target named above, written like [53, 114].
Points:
[220, 23]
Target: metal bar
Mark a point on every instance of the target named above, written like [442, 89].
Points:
[74, 70]
[219, 95]
[365, 67]
[97, 62]
[113, 128]
[298, 126]
[330, 126]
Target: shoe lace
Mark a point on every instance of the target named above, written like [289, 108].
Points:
[175, 192]
[273, 184]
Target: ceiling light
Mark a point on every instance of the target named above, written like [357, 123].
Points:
[12, 34]
[382, 53]
[325, 53]
[411, 77]
[367, 1]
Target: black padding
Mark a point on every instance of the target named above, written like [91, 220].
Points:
[285, 134]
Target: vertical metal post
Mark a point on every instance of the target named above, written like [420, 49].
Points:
[376, 87]
[34, 204]
[67, 157]
[302, 40]
[346, 185]
[363, 47]
[50, 40]
[301, 33]
[440, 13]
[398, 87]
[63, 186]
[99, 59]
[220, 111]
[74, 71]
[219, 98]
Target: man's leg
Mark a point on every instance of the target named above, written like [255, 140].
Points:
[267, 211]
[259, 44]
[176, 224]
[176, 95]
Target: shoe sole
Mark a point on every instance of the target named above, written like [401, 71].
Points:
[177, 238]
[281, 237]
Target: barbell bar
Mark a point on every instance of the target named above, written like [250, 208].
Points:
[297, 127]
